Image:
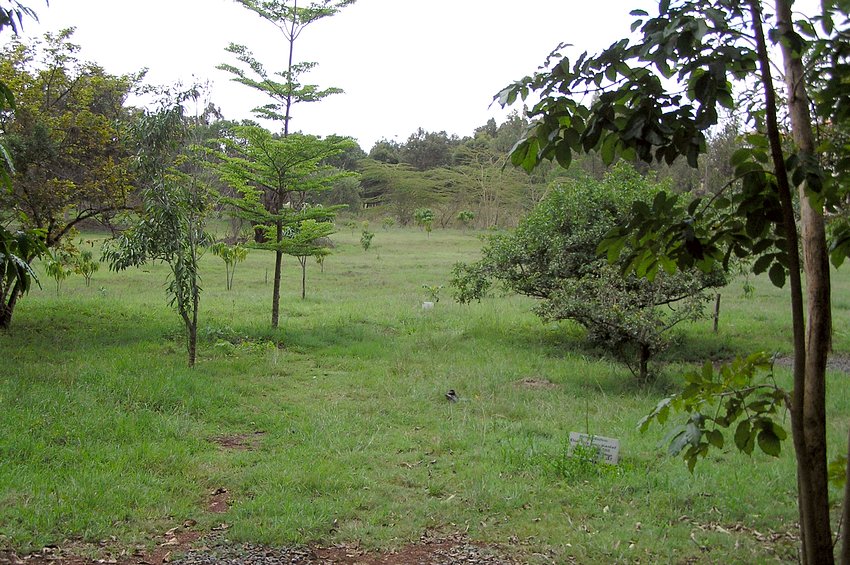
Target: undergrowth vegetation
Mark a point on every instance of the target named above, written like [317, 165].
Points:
[106, 432]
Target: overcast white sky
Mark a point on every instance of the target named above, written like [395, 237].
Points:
[403, 64]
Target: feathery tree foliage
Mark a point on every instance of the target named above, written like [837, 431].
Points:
[263, 203]
[275, 177]
[283, 87]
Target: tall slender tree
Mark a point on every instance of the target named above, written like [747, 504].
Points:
[285, 90]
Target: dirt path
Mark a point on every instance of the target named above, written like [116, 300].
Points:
[184, 546]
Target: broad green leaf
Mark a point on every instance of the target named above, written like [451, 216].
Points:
[740, 157]
[678, 441]
[531, 157]
[7, 97]
[519, 152]
[762, 264]
[838, 471]
[725, 99]
[777, 275]
[743, 437]
[769, 442]
[609, 146]
[778, 430]
[563, 154]
[758, 140]
[715, 438]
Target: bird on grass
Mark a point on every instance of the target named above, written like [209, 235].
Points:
[451, 396]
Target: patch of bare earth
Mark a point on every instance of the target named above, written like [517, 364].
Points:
[183, 546]
[533, 383]
[456, 549]
[176, 540]
[218, 501]
[835, 362]
[239, 442]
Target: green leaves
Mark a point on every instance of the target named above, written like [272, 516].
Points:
[744, 437]
[741, 395]
[65, 136]
[17, 251]
[837, 471]
[525, 154]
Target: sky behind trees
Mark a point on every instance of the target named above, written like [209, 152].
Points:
[403, 64]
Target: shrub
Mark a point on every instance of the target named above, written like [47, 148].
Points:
[552, 256]
[366, 239]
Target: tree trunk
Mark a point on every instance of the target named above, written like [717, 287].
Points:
[845, 513]
[717, 312]
[643, 376]
[7, 308]
[810, 342]
[193, 326]
[192, 330]
[278, 267]
[818, 303]
[5, 316]
[303, 261]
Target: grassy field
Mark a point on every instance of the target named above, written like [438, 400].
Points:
[106, 432]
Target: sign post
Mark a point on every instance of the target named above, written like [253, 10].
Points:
[608, 449]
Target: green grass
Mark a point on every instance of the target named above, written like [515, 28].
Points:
[105, 431]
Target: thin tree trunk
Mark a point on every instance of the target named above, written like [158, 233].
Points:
[644, 363]
[303, 261]
[193, 344]
[845, 513]
[193, 327]
[278, 267]
[8, 308]
[289, 84]
[716, 312]
[814, 510]
[818, 307]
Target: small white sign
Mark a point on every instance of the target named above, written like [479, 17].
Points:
[427, 305]
[609, 448]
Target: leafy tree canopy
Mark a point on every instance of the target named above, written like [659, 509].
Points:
[655, 97]
[65, 136]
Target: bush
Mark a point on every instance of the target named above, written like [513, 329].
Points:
[552, 256]
[366, 239]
